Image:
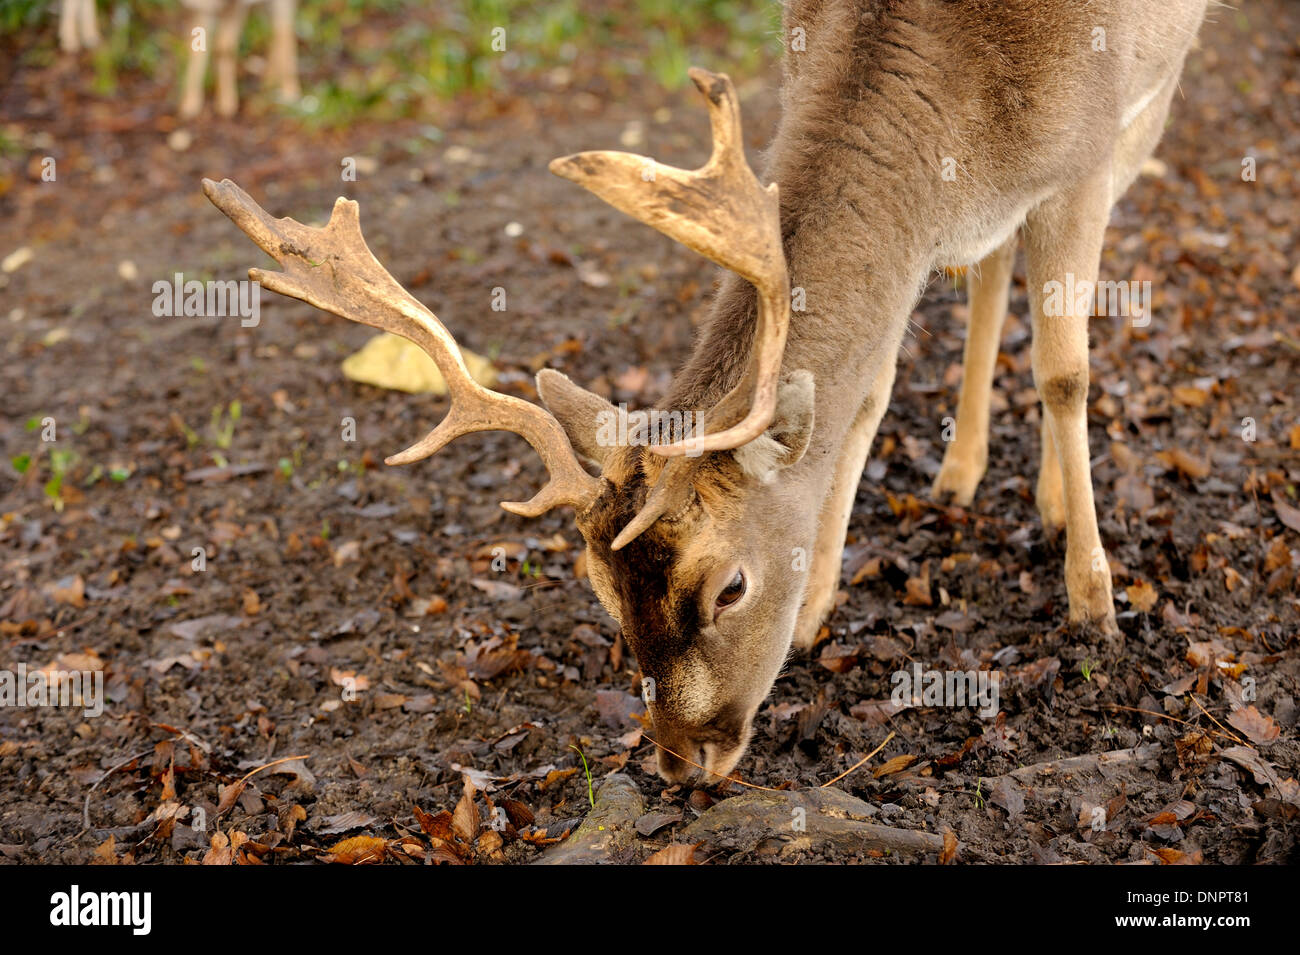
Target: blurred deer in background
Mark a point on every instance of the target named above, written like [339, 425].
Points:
[222, 22]
[78, 27]
[915, 135]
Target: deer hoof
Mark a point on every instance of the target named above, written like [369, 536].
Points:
[956, 483]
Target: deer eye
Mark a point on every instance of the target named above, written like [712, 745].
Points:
[732, 592]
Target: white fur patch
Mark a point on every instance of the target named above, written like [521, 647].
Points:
[759, 458]
[767, 454]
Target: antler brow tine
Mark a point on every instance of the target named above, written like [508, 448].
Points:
[333, 269]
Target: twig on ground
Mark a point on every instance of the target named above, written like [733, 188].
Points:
[891, 735]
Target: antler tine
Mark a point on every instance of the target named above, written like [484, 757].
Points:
[333, 269]
[670, 492]
[721, 211]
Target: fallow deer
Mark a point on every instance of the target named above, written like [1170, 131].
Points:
[222, 22]
[1046, 110]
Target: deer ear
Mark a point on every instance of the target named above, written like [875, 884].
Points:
[581, 413]
[787, 438]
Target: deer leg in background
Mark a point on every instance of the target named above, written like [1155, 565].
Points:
[282, 62]
[89, 23]
[1063, 239]
[197, 68]
[229, 26]
[966, 458]
[833, 525]
[69, 15]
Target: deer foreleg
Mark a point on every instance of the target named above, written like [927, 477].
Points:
[833, 524]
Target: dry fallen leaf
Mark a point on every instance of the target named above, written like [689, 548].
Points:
[1258, 727]
[949, 847]
[349, 679]
[347, 551]
[895, 765]
[390, 361]
[679, 853]
[69, 590]
[1142, 596]
[1176, 459]
[357, 850]
[918, 588]
[106, 853]
[465, 820]
[1288, 515]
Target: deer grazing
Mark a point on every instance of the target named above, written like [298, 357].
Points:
[223, 21]
[719, 551]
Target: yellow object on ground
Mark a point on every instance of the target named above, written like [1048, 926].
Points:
[390, 361]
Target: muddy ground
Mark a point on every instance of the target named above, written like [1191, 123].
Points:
[351, 614]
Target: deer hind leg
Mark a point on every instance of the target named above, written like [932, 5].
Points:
[966, 457]
[89, 23]
[833, 523]
[282, 63]
[230, 25]
[1063, 239]
[197, 67]
[69, 15]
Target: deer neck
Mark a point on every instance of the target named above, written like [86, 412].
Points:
[855, 276]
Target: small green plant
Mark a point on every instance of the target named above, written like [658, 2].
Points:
[21, 463]
[1086, 669]
[285, 466]
[979, 793]
[60, 463]
[591, 796]
[223, 424]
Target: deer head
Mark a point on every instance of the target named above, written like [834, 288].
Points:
[690, 539]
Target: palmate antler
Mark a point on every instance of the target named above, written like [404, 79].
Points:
[722, 212]
[333, 269]
[719, 210]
